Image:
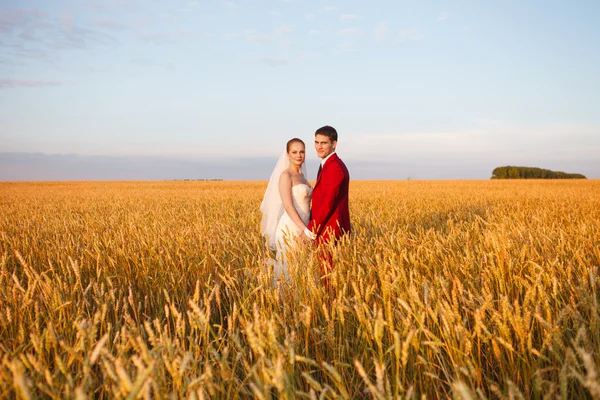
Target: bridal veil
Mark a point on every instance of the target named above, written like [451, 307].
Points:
[271, 206]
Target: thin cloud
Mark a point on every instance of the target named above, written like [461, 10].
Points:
[112, 6]
[273, 61]
[151, 63]
[346, 47]
[108, 24]
[19, 18]
[283, 30]
[278, 36]
[18, 166]
[231, 7]
[463, 142]
[412, 34]
[303, 57]
[489, 142]
[381, 31]
[314, 32]
[444, 16]
[348, 32]
[350, 17]
[29, 54]
[16, 83]
[74, 37]
[29, 34]
[165, 38]
[53, 167]
[255, 37]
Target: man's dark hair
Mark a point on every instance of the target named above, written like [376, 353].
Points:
[328, 131]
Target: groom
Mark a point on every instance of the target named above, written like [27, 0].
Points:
[330, 217]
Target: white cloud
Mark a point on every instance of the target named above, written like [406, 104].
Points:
[350, 17]
[417, 144]
[166, 38]
[255, 37]
[449, 154]
[283, 30]
[15, 83]
[348, 32]
[313, 32]
[412, 34]
[346, 47]
[303, 57]
[32, 36]
[232, 7]
[67, 21]
[273, 61]
[490, 142]
[381, 31]
[444, 16]
[278, 36]
[108, 24]
[144, 62]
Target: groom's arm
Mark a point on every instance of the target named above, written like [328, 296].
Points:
[331, 184]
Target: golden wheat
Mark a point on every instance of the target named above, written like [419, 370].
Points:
[478, 289]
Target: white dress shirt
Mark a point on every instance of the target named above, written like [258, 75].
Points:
[308, 233]
[323, 161]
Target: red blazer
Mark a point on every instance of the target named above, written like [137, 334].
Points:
[330, 216]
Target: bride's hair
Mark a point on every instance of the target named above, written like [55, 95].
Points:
[291, 142]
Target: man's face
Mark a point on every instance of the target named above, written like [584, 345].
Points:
[324, 146]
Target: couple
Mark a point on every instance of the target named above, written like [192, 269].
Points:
[287, 213]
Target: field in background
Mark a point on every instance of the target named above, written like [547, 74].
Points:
[465, 289]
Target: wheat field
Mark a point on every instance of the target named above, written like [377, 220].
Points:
[445, 289]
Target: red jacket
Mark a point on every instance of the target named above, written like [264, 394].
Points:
[330, 216]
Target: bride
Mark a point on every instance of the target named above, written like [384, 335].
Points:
[286, 205]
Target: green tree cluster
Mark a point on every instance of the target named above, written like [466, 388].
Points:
[510, 172]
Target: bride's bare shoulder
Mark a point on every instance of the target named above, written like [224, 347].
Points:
[285, 177]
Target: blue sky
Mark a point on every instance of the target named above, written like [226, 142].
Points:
[426, 89]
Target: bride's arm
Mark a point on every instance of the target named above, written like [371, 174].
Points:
[285, 191]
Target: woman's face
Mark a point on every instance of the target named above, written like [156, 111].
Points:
[296, 153]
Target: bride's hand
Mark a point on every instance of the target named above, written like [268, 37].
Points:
[304, 239]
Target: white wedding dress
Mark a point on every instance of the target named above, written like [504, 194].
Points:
[287, 230]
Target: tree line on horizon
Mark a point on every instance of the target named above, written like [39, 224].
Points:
[511, 172]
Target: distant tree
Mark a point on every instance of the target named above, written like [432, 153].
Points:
[500, 173]
[511, 172]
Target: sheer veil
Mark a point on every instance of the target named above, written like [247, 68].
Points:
[271, 206]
